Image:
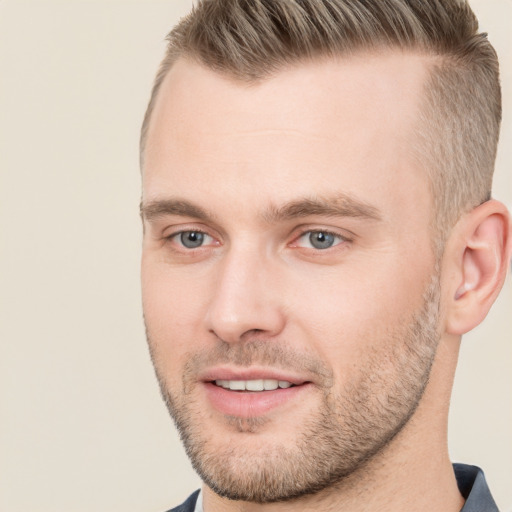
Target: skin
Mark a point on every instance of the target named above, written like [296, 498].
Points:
[241, 155]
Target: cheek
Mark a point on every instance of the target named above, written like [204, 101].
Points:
[349, 315]
[172, 305]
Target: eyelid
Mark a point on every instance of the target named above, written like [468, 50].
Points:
[308, 244]
[176, 231]
[181, 230]
[344, 235]
[178, 235]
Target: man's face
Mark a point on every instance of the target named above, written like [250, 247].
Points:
[288, 277]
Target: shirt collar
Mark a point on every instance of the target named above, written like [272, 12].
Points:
[474, 489]
[472, 486]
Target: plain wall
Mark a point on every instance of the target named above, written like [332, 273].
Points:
[82, 426]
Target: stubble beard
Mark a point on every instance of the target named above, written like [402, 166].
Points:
[350, 428]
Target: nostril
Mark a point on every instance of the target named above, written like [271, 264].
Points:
[234, 318]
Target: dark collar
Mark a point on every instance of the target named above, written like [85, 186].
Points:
[470, 479]
[474, 489]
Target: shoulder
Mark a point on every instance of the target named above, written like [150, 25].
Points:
[187, 506]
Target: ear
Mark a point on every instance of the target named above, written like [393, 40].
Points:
[479, 252]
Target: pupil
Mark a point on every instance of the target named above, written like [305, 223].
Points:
[321, 240]
[192, 239]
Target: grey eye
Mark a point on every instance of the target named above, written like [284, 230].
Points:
[192, 239]
[321, 240]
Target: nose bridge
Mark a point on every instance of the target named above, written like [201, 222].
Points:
[243, 299]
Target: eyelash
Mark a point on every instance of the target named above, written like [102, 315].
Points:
[326, 232]
[176, 234]
[343, 239]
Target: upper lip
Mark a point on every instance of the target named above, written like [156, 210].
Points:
[253, 373]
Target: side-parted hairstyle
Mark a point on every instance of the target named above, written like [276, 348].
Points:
[251, 40]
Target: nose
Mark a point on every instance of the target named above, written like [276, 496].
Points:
[245, 299]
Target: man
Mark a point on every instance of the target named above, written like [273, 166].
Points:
[318, 235]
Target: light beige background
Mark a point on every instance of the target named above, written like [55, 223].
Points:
[82, 427]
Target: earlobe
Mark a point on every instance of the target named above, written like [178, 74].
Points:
[481, 255]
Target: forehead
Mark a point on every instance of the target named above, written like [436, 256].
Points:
[334, 123]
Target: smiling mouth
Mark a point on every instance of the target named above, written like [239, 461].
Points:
[253, 397]
[253, 385]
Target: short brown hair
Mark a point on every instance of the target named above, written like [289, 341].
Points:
[250, 40]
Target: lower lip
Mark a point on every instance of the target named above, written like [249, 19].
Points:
[250, 404]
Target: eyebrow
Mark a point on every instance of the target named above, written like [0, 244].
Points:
[159, 208]
[340, 205]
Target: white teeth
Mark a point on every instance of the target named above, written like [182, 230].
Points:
[253, 385]
[270, 384]
[237, 385]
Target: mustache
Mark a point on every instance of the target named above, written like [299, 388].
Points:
[259, 352]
